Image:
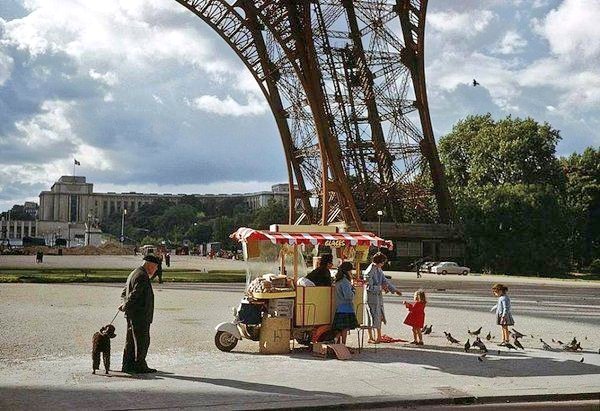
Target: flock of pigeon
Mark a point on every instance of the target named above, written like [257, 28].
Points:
[573, 346]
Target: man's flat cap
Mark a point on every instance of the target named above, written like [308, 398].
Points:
[152, 259]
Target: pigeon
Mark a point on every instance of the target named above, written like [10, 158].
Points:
[572, 347]
[510, 346]
[424, 328]
[476, 332]
[581, 359]
[545, 346]
[428, 330]
[475, 83]
[489, 336]
[518, 344]
[450, 338]
[467, 345]
[574, 341]
[517, 334]
[479, 344]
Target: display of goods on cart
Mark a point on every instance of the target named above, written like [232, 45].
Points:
[270, 283]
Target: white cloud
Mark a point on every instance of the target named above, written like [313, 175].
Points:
[464, 24]
[6, 67]
[511, 43]
[109, 78]
[572, 29]
[228, 106]
[52, 127]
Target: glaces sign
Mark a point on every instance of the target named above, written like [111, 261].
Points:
[335, 243]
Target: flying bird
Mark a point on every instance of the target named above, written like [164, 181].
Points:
[428, 329]
[518, 344]
[476, 332]
[475, 83]
[467, 345]
[489, 336]
[424, 328]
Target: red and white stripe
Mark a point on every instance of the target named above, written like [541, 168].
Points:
[350, 239]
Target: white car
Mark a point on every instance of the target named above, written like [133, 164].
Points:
[448, 267]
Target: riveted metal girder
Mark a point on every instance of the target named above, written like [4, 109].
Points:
[346, 83]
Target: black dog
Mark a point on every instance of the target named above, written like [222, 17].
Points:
[101, 344]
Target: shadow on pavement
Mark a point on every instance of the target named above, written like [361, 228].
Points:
[454, 361]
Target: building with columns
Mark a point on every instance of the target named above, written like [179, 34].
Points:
[71, 201]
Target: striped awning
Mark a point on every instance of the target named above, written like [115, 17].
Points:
[328, 239]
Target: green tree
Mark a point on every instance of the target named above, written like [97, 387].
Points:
[480, 151]
[199, 233]
[508, 187]
[273, 213]
[515, 229]
[583, 196]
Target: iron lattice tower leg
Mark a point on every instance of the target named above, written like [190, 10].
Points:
[346, 83]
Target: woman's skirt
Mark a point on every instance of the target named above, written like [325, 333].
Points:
[344, 321]
[506, 320]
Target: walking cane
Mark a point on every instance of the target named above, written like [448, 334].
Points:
[115, 316]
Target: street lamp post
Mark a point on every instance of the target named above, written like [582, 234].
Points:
[379, 215]
[123, 225]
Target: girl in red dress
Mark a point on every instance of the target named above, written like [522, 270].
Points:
[416, 316]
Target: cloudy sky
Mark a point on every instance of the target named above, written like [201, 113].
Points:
[148, 99]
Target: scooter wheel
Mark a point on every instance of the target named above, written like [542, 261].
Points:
[225, 341]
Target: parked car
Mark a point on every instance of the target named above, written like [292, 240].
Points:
[426, 266]
[448, 267]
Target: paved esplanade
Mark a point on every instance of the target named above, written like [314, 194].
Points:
[45, 346]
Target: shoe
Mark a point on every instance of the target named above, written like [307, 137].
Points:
[146, 370]
[414, 342]
[420, 343]
[502, 344]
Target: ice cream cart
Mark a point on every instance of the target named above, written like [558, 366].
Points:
[275, 309]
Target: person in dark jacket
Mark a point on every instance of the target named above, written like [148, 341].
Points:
[159, 271]
[138, 305]
[321, 276]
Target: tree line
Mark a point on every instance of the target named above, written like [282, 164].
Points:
[195, 219]
[523, 209]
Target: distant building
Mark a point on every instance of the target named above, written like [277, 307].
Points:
[71, 201]
[17, 229]
[30, 208]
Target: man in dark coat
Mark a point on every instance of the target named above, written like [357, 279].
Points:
[138, 305]
[321, 276]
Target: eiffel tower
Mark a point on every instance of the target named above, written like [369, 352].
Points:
[345, 81]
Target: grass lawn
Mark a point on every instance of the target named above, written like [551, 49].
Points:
[79, 275]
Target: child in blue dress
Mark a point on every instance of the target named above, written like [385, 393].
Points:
[504, 316]
[345, 318]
